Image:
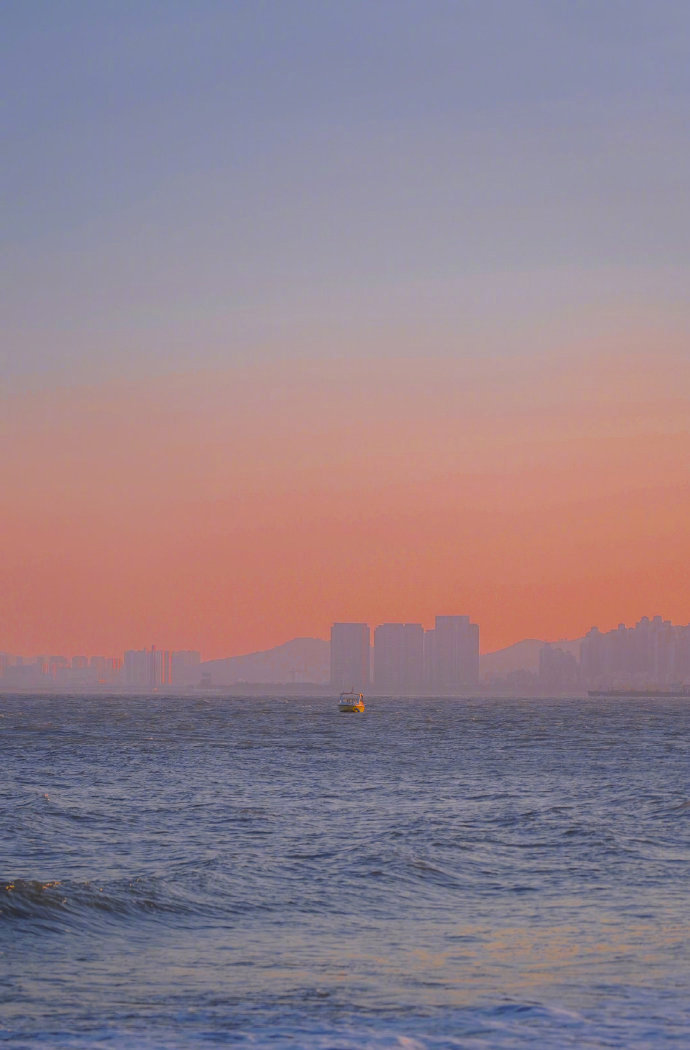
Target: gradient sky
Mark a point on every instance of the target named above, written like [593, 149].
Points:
[318, 310]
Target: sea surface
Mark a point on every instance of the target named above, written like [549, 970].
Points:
[209, 871]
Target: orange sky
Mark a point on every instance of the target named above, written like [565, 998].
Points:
[230, 510]
[368, 314]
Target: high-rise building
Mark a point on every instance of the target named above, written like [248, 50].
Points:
[652, 654]
[185, 667]
[453, 655]
[350, 643]
[137, 668]
[559, 671]
[399, 659]
[152, 668]
[429, 660]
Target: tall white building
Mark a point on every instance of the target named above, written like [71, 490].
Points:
[152, 668]
[399, 659]
[453, 655]
[350, 643]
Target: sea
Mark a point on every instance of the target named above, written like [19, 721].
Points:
[216, 871]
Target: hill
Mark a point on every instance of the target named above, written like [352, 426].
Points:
[299, 660]
[523, 656]
[308, 660]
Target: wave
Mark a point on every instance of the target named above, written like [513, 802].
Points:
[55, 899]
[504, 1026]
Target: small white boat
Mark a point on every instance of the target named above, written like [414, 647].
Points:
[351, 702]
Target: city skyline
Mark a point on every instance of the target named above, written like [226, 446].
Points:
[396, 659]
[80, 652]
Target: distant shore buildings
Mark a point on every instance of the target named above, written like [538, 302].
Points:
[350, 656]
[399, 665]
[151, 668]
[396, 659]
[652, 653]
[406, 659]
[140, 670]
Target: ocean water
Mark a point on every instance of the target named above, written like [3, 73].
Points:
[270, 873]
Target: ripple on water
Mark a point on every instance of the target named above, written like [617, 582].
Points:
[464, 873]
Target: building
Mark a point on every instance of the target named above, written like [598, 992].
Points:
[452, 656]
[152, 668]
[137, 669]
[559, 671]
[651, 655]
[185, 667]
[350, 644]
[399, 659]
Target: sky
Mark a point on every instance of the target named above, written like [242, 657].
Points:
[361, 310]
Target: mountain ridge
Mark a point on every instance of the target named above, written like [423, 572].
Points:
[307, 660]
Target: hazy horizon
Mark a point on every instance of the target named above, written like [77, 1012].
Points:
[148, 645]
[238, 655]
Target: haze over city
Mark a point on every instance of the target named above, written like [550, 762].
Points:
[336, 312]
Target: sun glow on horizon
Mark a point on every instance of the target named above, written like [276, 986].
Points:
[238, 508]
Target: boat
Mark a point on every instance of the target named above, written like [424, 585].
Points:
[351, 702]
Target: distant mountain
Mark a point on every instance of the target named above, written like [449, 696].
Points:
[523, 656]
[300, 660]
[308, 660]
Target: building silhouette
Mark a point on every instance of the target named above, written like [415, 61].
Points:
[152, 668]
[452, 656]
[652, 654]
[185, 667]
[350, 644]
[559, 671]
[399, 659]
[136, 668]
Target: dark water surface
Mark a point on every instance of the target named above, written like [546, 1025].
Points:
[270, 873]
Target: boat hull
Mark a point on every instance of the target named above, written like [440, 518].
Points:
[351, 702]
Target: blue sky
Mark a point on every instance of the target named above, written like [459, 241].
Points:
[198, 183]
